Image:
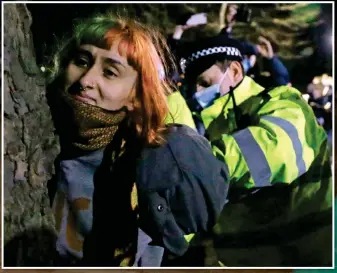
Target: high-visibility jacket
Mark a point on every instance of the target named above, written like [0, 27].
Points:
[179, 111]
[279, 207]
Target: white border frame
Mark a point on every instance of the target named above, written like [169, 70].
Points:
[159, 2]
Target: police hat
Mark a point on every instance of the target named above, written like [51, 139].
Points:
[198, 56]
[182, 188]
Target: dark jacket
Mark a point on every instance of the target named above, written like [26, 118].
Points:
[181, 189]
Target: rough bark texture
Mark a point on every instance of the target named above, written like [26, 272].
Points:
[30, 146]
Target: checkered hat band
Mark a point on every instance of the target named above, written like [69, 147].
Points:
[230, 51]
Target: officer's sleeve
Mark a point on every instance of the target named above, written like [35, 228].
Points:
[279, 149]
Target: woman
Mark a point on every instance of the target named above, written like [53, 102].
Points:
[109, 105]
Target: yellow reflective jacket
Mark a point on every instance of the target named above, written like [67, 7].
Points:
[279, 209]
[179, 111]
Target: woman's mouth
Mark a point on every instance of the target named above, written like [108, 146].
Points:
[84, 98]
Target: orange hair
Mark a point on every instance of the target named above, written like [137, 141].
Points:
[143, 48]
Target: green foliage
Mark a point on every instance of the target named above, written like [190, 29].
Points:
[306, 13]
[287, 26]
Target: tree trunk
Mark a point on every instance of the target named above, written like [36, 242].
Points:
[30, 147]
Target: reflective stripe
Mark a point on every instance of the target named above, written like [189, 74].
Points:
[291, 130]
[189, 237]
[255, 158]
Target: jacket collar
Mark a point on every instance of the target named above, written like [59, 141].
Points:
[243, 91]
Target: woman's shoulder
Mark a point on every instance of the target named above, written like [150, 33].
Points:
[184, 150]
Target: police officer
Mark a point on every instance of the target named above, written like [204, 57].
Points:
[279, 207]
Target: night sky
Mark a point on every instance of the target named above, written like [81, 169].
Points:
[50, 20]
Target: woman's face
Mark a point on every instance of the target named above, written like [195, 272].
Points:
[101, 77]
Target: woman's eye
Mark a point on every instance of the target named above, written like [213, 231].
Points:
[109, 73]
[82, 62]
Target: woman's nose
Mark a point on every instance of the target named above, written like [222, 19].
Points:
[89, 79]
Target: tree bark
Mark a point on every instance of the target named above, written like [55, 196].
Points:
[29, 148]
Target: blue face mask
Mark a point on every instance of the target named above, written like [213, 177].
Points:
[206, 96]
[246, 64]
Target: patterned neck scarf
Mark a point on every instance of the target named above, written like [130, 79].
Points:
[90, 127]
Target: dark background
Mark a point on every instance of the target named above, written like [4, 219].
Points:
[53, 21]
